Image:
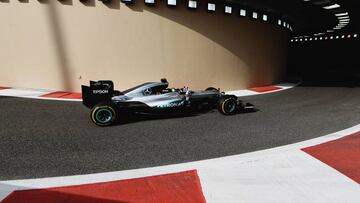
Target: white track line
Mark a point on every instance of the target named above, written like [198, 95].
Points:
[247, 92]
[22, 93]
[282, 174]
[32, 94]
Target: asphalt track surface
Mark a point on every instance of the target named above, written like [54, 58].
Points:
[40, 138]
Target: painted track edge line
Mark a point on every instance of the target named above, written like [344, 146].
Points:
[239, 93]
[249, 92]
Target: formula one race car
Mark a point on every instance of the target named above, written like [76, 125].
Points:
[107, 104]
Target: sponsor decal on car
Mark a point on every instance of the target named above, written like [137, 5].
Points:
[100, 91]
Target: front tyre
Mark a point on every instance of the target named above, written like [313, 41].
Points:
[211, 89]
[228, 106]
[103, 115]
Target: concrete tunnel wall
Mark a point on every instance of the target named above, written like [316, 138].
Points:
[62, 45]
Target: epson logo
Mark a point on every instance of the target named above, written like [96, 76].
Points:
[100, 91]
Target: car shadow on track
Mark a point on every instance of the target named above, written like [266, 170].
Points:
[135, 118]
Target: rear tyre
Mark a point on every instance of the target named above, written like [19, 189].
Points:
[228, 106]
[103, 115]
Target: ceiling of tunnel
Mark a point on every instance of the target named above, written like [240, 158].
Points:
[309, 17]
[303, 17]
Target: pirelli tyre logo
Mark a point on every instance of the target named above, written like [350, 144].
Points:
[100, 91]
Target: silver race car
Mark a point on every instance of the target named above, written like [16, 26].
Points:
[108, 105]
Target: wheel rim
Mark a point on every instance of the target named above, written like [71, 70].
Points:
[230, 106]
[103, 116]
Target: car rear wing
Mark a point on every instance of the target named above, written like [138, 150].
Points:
[97, 92]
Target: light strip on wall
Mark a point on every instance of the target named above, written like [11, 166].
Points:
[228, 9]
[192, 4]
[265, 17]
[127, 1]
[255, 15]
[171, 2]
[211, 7]
[242, 12]
[332, 6]
[343, 17]
[341, 14]
[150, 1]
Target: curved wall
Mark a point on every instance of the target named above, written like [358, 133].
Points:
[63, 45]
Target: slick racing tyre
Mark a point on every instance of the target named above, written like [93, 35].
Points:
[211, 89]
[103, 115]
[228, 106]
